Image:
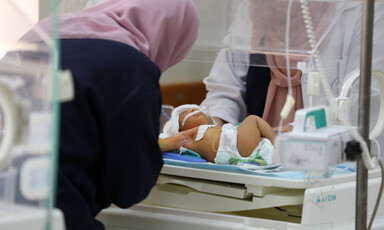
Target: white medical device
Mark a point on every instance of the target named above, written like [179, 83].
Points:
[312, 144]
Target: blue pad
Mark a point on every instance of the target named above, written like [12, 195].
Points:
[182, 157]
[193, 160]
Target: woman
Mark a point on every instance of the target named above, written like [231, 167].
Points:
[240, 84]
[116, 52]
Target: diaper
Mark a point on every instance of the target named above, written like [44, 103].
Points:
[227, 152]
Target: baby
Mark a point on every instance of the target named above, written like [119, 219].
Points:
[192, 127]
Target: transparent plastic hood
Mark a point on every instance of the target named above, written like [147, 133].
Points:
[244, 27]
[278, 28]
[260, 27]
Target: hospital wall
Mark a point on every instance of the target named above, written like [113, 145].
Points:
[31, 11]
[183, 83]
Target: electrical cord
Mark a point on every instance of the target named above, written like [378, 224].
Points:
[378, 148]
[287, 60]
[290, 101]
[378, 196]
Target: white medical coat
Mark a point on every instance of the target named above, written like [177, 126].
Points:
[340, 54]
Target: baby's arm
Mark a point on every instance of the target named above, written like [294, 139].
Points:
[187, 139]
[250, 132]
[171, 143]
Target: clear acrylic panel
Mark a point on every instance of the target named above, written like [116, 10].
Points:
[260, 27]
[28, 114]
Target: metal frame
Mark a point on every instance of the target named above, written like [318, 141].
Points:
[364, 105]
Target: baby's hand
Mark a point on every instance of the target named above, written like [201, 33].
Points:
[172, 143]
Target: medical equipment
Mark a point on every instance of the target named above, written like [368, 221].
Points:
[190, 198]
[28, 115]
[364, 160]
[312, 148]
[323, 146]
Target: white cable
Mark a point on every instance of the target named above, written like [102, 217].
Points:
[369, 162]
[378, 148]
[287, 60]
[378, 196]
[289, 101]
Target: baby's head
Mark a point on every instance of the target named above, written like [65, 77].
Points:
[185, 117]
[192, 118]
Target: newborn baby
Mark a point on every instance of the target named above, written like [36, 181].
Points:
[251, 141]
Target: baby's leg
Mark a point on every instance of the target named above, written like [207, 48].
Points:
[250, 132]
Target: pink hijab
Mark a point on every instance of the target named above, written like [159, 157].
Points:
[270, 16]
[163, 30]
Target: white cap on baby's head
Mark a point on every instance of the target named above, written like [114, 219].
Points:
[171, 127]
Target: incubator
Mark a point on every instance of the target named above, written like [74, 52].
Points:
[191, 195]
[29, 96]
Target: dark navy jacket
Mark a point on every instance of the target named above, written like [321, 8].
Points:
[109, 132]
